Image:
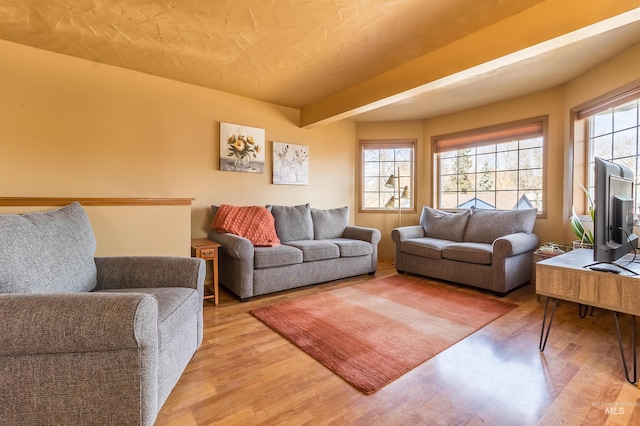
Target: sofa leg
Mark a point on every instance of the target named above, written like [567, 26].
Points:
[245, 299]
[499, 294]
[399, 271]
[371, 273]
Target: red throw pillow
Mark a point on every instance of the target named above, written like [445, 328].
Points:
[254, 223]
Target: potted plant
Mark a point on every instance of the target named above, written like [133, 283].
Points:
[584, 234]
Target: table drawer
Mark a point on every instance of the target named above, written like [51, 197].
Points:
[207, 254]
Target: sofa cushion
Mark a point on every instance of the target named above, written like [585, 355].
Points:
[486, 225]
[352, 248]
[479, 253]
[329, 223]
[424, 247]
[271, 257]
[47, 252]
[313, 250]
[254, 223]
[444, 225]
[293, 223]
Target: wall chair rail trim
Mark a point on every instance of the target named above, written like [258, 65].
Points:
[63, 201]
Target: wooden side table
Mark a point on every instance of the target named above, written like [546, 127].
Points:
[208, 250]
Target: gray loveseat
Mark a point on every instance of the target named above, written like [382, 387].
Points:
[87, 340]
[490, 249]
[316, 246]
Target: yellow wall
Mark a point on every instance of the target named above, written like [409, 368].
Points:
[606, 77]
[125, 230]
[555, 103]
[386, 221]
[548, 102]
[73, 128]
[611, 75]
[70, 127]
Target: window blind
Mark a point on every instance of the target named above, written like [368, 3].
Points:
[489, 136]
[623, 97]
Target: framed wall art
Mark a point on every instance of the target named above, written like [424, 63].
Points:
[290, 164]
[241, 148]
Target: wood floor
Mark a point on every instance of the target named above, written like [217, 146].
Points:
[246, 374]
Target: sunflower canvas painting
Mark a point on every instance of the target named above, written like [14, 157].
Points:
[241, 148]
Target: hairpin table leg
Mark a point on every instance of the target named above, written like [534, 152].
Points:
[584, 309]
[633, 348]
[544, 334]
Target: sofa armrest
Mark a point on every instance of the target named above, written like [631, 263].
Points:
[398, 235]
[407, 232]
[76, 322]
[370, 235]
[514, 244]
[233, 245]
[61, 356]
[236, 263]
[124, 272]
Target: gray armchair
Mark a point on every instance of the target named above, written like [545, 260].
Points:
[88, 340]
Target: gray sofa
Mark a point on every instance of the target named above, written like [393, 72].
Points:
[316, 246]
[87, 340]
[489, 249]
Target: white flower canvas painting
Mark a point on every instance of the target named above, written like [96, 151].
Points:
[290, 164]
[241, 148]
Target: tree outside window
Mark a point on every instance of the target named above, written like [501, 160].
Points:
[500, 167]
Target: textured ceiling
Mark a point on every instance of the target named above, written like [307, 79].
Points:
[289, 52]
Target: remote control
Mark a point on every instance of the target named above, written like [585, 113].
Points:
[604, 269]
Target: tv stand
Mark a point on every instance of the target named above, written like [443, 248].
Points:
[565, 277]
[610, 267]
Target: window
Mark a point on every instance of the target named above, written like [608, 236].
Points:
[612, 134]
[498, 167]
[381, 160]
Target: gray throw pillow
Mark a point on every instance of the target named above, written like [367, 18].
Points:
[443, 225]
[47, 252]
[329, 223]
[293, 223]
[487, 225]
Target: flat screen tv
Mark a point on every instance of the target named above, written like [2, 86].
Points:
[613, 212]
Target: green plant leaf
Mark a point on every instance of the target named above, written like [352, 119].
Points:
[589, 237]
[576, 225]
[586, 192]
[585, 234]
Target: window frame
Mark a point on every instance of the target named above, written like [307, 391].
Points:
[581, 141]
[491, 135]
[387, 144]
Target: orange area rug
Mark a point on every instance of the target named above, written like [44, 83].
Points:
[374, 332]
